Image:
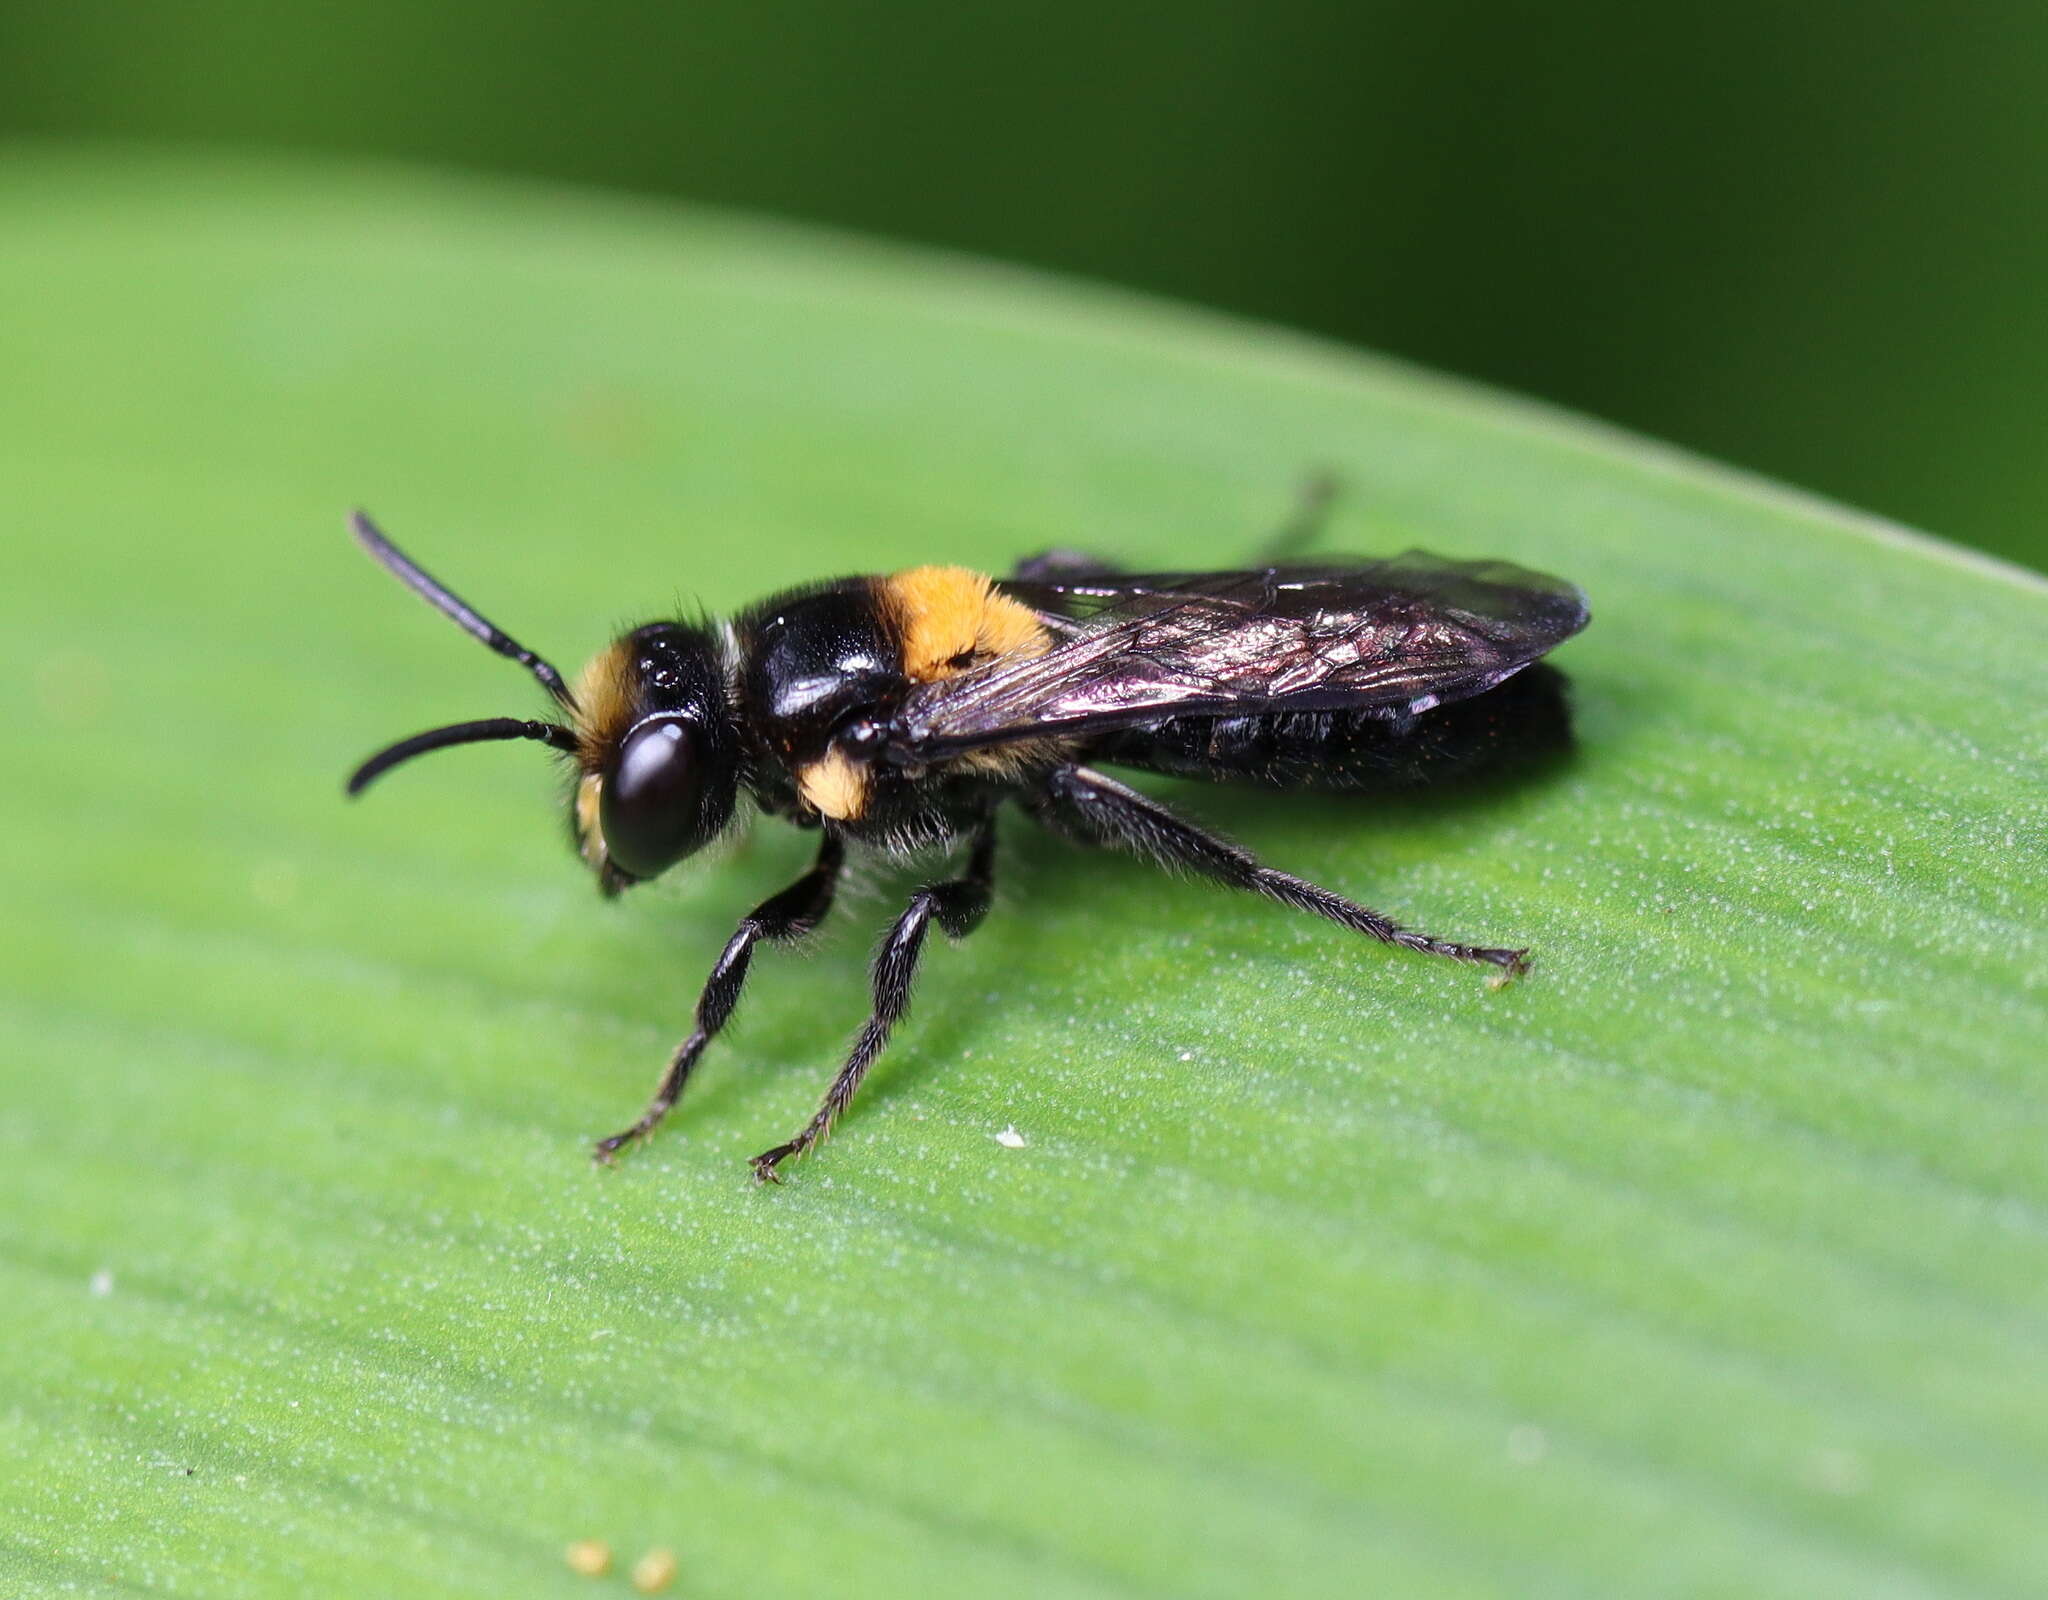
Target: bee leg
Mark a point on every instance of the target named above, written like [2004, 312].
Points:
[958, 907]
[1061, 566]
[1099, 810]
[1304, 522]
[780, 918]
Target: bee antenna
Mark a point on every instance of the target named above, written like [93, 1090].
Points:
[552, 734]
[449, 604]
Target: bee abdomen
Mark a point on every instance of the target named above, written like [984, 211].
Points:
[1350, 750]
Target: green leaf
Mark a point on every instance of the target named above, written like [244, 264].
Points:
[1712, 1259]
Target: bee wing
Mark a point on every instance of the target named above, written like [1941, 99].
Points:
[1390, 637]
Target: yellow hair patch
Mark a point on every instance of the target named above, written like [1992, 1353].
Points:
[953, 618]
[589, 829]
[604, 702]
[835, 787]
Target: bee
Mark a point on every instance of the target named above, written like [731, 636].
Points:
[897, 713]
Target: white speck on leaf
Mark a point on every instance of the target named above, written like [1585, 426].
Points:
[1010, 1138]
[1835, 1470]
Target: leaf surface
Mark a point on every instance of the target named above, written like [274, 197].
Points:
[1709, 1260]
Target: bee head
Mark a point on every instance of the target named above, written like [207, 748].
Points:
[649, 725]
[659, 751]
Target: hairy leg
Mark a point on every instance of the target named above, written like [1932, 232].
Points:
[1099, 810]
[779, 919]
[1304, 522]
[1062, 566]
[957, 905]
[1285, 543]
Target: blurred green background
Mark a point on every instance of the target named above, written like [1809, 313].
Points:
[1807, 239]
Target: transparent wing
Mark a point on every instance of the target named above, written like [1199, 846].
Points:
[1392, 637]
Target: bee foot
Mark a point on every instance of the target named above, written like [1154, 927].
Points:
[767, 1161]
[605, 1152]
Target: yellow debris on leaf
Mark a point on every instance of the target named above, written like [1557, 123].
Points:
[590, 1557]
[654, 1571]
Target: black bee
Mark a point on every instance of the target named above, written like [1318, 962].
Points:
[898, 712]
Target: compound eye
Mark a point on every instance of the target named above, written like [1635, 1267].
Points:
[652, 806]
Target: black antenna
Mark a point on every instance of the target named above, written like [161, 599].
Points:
[427, 587]
[548, 733]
